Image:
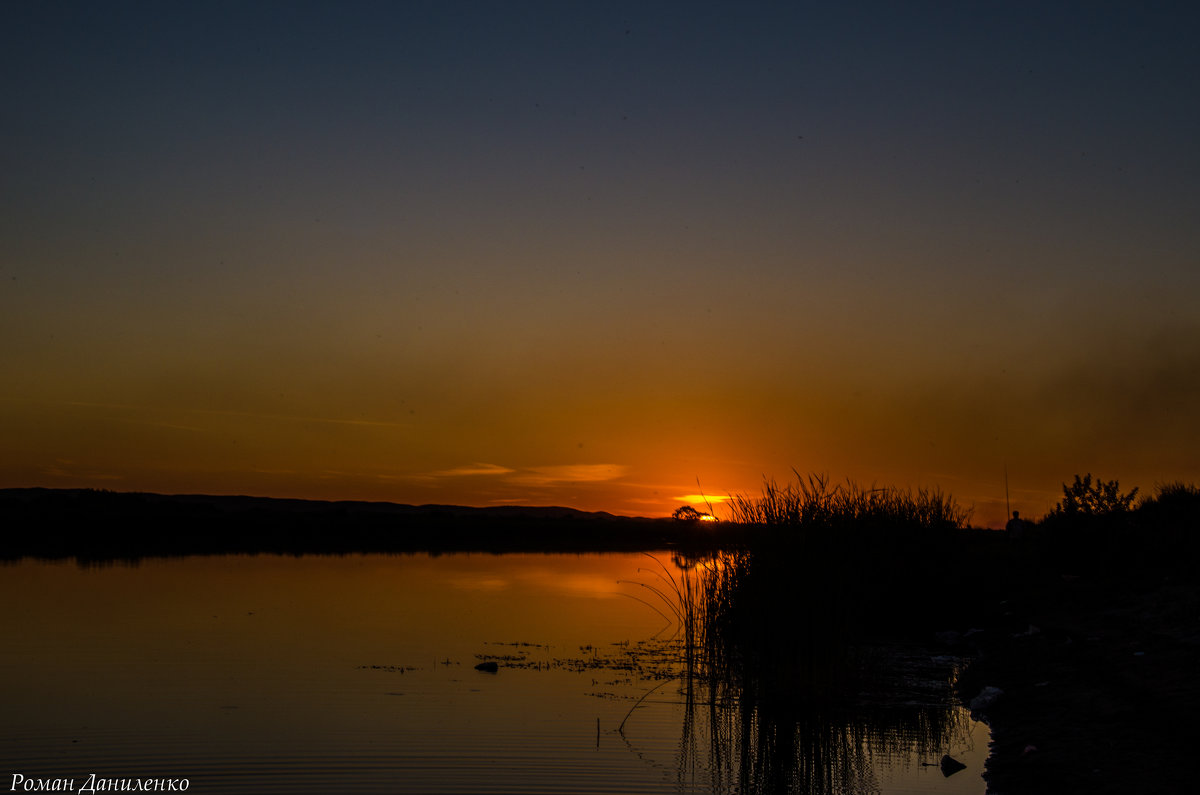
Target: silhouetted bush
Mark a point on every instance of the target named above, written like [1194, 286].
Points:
[1168, 527]
[1098, 530]
[1086, 497]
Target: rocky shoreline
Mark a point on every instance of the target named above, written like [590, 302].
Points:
[1093, 684]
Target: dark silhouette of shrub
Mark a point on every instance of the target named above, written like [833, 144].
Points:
[1086, 497]
[1097, 528]
[1168, 525]
[689, 514]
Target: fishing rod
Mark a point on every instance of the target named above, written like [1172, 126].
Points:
[1007, 504]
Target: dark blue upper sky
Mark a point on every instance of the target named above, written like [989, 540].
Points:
[964, 216]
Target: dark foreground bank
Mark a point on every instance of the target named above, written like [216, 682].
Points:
[1093, 657]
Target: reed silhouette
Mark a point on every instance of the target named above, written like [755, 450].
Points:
[872, 558]
[777, 702]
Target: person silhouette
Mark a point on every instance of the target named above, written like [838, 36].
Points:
[1015, 526]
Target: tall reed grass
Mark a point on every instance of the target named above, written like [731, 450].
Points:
[826, 566]
[811, 502]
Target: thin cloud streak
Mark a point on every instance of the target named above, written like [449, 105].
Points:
[233, 413]
[570, 473]
[472, 470]
[550, 475]
[71, 469]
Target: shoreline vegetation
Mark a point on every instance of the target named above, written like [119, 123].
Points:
[1082, 629]
[1084, 626]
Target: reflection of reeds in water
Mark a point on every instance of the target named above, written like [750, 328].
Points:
[744, 737]
[777, 676]
[775, 704]
[753, 751]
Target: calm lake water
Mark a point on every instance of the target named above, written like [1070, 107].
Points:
[356, 674]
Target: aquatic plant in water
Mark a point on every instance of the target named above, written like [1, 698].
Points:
[782, 662]
[780, 691]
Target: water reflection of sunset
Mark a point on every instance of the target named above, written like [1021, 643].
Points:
[590, 576]
[357, 674]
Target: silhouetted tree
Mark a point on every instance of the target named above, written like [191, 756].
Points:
[1087, 498]
[687, 513]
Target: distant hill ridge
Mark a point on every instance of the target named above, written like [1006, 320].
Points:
[241, 502]
[93, 524]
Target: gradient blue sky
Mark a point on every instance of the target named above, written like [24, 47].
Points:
[591, 254]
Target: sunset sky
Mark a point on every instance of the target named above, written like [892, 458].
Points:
[604, 255]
